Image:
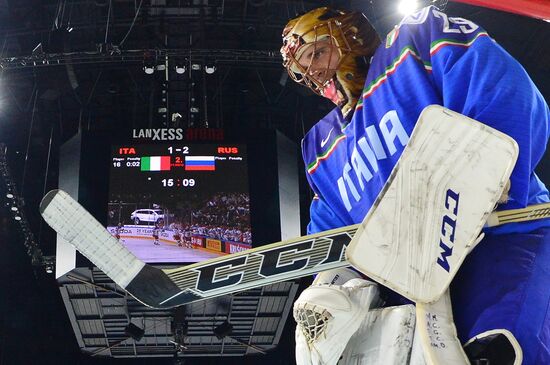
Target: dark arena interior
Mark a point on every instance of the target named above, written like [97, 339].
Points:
[87, 84]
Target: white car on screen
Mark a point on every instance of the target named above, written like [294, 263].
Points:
[147, 216]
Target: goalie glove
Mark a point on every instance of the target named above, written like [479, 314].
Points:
[327, 316]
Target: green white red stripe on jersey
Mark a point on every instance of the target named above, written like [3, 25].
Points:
[313, 166]
[437, 45]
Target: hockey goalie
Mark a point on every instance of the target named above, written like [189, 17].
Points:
[496, 310]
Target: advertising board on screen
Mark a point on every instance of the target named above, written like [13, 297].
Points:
[180, 202]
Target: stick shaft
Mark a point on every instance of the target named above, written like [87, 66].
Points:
[530, 213]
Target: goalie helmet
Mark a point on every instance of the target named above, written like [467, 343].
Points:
[329, 51]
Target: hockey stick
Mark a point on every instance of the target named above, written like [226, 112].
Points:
[532, 212]
[166, 288]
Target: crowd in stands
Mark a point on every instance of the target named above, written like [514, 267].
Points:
[235, 234]
[224, 216]
[224, 209]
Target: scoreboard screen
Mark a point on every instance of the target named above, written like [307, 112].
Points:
[180, 203]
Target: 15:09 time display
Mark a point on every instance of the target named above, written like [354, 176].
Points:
[178, 182]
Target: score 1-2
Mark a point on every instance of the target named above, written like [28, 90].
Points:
[184, 150]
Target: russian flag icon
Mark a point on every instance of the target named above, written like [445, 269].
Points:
[200, 163]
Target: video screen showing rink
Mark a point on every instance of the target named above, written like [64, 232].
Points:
[179, 203]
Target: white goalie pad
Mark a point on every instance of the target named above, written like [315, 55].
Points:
[437, 333]
[417, 352]
[384, 338]
[434, 205]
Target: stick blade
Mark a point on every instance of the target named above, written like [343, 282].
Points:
[76, 225]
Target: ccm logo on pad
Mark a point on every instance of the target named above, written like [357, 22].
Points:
[448, 226]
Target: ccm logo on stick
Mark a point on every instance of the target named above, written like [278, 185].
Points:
[231, 272]
[448, 227]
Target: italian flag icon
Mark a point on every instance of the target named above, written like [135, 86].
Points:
[155, 163]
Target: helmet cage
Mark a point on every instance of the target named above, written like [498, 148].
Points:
[293, 45]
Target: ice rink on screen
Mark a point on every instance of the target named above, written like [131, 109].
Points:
[146, 251]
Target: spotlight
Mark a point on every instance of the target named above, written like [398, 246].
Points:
[9, 195]
[210, 69]
[407, 7]
[149, 70]
[14, 209]
[180, 69]
[194, 109]
[49, 269]
[195, 67]
[17, 218]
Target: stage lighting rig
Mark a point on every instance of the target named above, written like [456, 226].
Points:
[16, 204]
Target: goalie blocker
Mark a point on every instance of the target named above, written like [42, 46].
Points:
[431, 211]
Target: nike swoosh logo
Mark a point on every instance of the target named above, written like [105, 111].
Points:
[324, 141]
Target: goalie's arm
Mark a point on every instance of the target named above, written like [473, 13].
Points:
[464, 58]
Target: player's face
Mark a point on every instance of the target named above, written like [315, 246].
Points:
[320, 60]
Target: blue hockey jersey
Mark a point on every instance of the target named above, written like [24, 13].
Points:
[429, 58]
